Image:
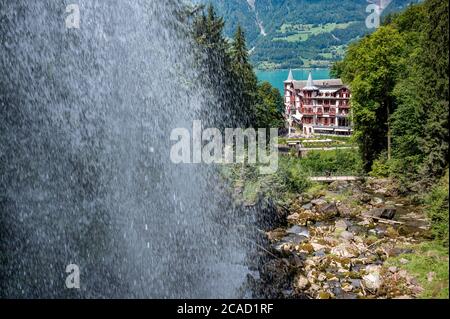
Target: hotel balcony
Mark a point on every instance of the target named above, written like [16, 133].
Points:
[307, 111]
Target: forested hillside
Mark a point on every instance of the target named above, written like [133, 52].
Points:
[295, 33]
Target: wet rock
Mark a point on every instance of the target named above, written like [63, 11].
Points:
[298, 230]
[385, 213]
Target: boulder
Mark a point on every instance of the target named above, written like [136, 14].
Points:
[329, 210]
[307, 206]
[385, 213]
[372, 281]
[298, 230]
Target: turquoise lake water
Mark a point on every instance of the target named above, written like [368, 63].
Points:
[277, 77]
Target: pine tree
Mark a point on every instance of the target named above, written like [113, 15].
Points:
[434, 88]
[245, 78]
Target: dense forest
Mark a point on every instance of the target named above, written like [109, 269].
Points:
[295, 33]
[399, 80]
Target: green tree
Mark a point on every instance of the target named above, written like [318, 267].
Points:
[269, 108]
[434, 88]
[245, 77]
[372, 67]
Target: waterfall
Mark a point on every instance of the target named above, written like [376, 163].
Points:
[86, 178]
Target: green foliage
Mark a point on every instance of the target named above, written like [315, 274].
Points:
[380, 168]
[245, 77]
[372, 67]
[338, 162]
[437, 202]
[269, 108]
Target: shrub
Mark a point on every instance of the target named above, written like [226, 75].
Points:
[437, 202]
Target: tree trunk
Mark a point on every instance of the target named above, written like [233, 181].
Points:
[389, 136]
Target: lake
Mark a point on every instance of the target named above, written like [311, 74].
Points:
[277, 77]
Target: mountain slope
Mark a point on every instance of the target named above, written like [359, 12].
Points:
[294, 33]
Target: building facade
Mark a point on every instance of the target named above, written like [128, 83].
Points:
[317, 107]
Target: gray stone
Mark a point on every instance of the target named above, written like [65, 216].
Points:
[298, 230]
[295, 239]
[329, 209]
[341, 225]
[307, 206]
[356, 283]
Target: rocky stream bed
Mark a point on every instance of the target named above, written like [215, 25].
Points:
[334, 244]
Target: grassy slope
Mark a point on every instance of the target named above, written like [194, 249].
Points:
[429, 265]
